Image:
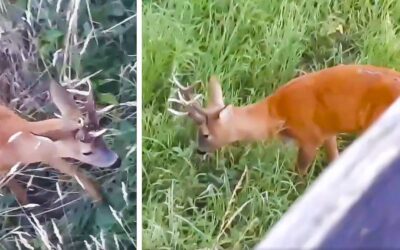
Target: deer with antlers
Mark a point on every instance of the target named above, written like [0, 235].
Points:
[76, 134]
[310, 110]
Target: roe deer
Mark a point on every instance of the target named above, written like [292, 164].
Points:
[77, 134]
[310, 109]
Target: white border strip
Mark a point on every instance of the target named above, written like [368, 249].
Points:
[139, 126]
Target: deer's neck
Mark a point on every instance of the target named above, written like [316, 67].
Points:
[52, 128]
[254, 122]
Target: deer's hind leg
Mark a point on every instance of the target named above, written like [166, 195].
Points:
[308, 151]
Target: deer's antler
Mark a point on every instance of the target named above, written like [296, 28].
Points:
[190, 103]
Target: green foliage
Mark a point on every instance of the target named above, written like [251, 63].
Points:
[100, 41]
[254, 47]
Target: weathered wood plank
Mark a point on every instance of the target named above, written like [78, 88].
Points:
[374, 221]
[354, 202]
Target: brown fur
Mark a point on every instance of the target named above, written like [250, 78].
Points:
[49, 141]
[311, 109]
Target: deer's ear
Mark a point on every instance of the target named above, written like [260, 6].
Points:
[215, 96]
[222, 113]
[64, 101]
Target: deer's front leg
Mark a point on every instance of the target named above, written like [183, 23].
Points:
[331, 148]
[72, 170]
[18, 190]
[304, 159]
[308, 144]
[45, 150]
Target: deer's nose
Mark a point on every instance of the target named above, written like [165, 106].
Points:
[200, 152]
[116, 164]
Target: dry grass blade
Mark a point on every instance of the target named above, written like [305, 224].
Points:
[225, 220]
[3, 6]
[41, 231]
[120, 23]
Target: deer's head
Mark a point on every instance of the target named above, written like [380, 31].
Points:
[214, 122]
[83, 137]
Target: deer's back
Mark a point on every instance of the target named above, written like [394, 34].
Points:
[345, 98]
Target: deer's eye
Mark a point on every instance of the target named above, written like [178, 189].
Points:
[81, 122]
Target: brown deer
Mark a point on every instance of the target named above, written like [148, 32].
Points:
[76, 134]
[310, 109]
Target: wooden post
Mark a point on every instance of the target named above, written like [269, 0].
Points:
[355, 202]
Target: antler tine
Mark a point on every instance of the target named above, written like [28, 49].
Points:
[90, 105]
[176, 82]
[185, 98]
[185, 90]
[178, 113]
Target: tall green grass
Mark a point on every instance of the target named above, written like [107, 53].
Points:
[230, 200]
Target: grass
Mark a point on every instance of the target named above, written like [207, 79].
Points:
[231, 200]
[89, 37]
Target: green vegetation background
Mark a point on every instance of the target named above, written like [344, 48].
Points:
[254, 47]
[107, 31]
